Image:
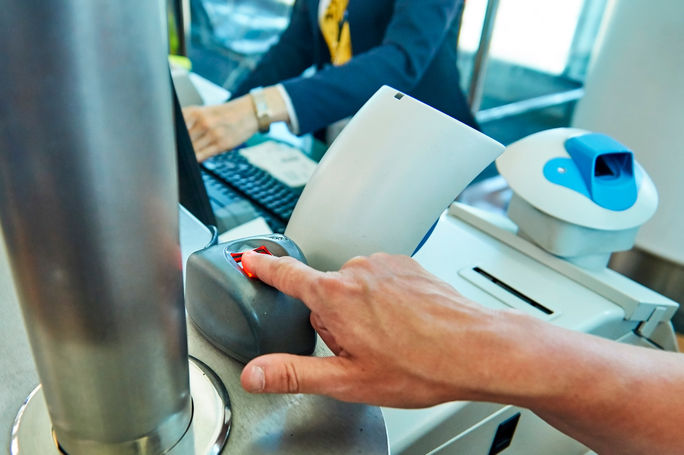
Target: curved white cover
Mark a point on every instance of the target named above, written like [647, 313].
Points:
[522, 165]
[385, 180]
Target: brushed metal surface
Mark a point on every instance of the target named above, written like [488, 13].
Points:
[91, 233]
[269, 424]
[291, 424]
[211, 413]
[32, 430]
[17, 371]
[93, 237]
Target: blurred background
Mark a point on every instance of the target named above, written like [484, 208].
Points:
[525, 66]
[529, 81]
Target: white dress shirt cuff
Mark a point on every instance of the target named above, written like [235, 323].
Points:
[293, 124]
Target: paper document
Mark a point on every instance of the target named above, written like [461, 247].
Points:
[286, 164]
[257, 226]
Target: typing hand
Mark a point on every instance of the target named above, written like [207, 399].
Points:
[215, 129]
[400, 336]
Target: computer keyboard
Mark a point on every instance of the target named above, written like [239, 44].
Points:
[230, 177]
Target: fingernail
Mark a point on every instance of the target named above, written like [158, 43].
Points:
[256, 379]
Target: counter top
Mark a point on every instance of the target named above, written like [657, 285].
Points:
[262, 424]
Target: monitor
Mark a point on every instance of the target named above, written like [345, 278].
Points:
[192, 192]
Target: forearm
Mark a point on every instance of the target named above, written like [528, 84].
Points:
[336, 92]
[276, 66]
[403, 338]
[614, 398]
[415, 33]
[291, 55]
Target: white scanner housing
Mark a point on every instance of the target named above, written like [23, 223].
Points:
[563, 220]
[385, 180]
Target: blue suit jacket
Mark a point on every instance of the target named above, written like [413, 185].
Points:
[409, 45]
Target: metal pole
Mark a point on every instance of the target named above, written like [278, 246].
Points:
[180, 14]
[185, 24]
[528, 105]
[88, 207]
[482, 56]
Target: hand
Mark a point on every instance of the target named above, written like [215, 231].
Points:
[400, 336]
[403, 338]
[215, 129]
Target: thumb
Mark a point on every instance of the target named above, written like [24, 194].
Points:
[287, 373]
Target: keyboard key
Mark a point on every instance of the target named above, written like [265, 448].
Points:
[274, 200]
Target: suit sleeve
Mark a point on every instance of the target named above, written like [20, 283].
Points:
[289, 57]
[413, 36]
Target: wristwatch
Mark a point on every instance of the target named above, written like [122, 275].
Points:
[261, 109]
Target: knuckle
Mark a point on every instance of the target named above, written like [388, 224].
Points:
[353, 261]
[281, 271]
[289, 260]
[319, 285]
[203, 121]
[362, 262]
[360, 268]
[214, 135]
[326, 283]
[334, 284]
[380, 257]
[352, 289]
[291, 379]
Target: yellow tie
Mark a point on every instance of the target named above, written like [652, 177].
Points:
[335, 30]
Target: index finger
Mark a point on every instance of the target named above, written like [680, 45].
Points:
[286, 274]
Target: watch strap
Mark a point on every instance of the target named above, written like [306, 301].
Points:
[261, 109]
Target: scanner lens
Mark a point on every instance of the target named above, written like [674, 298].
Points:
[237, 257]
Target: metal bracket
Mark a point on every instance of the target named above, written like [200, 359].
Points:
[647, 327]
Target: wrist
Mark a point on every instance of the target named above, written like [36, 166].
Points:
[518, 362]
[542, 365]
[247, 117]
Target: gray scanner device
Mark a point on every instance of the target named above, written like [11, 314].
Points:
[241, 315]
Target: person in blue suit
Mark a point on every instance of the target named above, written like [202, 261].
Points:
[355, 46]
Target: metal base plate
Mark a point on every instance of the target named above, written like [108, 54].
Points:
[208, 431]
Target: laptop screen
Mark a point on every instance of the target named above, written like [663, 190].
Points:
[193, 194]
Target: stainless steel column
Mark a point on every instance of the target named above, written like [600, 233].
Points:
[88, 209]
[477, 77]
